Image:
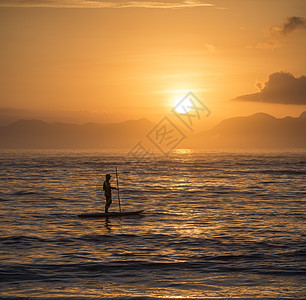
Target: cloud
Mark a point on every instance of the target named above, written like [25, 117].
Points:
[105, 4]
[289, 25]
[275, 35]
[282, 88]
[269, 44]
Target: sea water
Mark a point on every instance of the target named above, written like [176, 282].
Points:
[216, 225]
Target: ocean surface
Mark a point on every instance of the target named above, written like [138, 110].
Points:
[216, 225]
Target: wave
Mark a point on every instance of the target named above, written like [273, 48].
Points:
[282, 172]
[18, 239]
[21, 241]
[21, 193]
[24, 272]
[112, 298]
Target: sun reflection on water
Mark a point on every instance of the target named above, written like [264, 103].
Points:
[182, 151]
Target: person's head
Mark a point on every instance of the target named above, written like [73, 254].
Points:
[108, 177]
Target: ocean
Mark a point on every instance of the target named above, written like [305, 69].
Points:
[216, 225]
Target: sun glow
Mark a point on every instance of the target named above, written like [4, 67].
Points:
[181, 104]
[183, 108]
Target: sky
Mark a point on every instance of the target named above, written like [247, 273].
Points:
[121, 60]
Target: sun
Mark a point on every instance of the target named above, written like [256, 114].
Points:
[182, 105]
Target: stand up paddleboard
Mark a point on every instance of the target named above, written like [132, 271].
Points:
[110, 214]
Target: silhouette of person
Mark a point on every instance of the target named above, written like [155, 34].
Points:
[108, 192]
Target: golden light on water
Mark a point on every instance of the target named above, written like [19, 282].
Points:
[182, 151]
[176, 297]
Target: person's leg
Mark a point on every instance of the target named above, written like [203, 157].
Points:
[108, 203]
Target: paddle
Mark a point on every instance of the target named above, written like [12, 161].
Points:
[118, 190]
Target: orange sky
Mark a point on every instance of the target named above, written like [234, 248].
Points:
[133, 62]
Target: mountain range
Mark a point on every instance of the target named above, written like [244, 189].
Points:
[256, 131]
[260, 131]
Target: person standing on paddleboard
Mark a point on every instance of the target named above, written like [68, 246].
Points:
[108, 192]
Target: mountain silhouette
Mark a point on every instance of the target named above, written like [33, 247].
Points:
[37, 134]
[259, 130]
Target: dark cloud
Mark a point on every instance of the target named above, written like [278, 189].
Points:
[275, 35]
[281, 88]
[289, 25]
